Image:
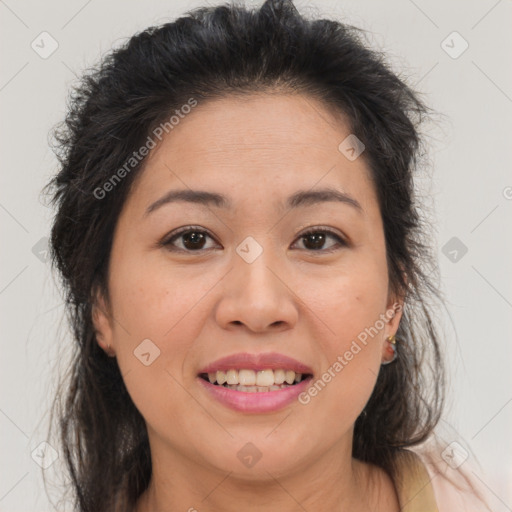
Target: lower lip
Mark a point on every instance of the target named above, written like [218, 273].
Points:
[257, 402]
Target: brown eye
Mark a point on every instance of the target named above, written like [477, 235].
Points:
[315, 239]
[192, 240]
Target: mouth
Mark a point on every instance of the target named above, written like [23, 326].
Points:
[255, 381]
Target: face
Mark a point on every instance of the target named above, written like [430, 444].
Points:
[191, 283]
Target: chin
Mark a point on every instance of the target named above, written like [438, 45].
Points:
[257, 457]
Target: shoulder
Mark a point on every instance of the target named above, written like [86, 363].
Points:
[376, 485]
[413, 484]
[451, 489]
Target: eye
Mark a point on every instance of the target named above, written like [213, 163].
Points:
[316, 238]
[193, 239]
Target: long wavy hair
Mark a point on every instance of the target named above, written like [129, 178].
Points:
[211, 53]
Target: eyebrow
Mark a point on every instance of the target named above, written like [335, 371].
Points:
[298, 199]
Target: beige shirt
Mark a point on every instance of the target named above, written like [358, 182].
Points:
[425, 487]
[413, 484]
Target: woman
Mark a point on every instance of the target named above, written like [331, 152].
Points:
[246, 273]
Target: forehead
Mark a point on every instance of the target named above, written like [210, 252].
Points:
[257, 147]
[271, 124]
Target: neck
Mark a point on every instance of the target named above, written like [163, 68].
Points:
[333, 482]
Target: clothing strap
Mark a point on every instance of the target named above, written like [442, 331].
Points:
[413, 484]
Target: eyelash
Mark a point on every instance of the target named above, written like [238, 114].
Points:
[167, 242]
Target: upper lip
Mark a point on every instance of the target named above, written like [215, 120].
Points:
[263, 361]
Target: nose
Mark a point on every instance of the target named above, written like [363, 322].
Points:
[257, 296]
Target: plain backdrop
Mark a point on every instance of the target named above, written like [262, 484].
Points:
[456, 53]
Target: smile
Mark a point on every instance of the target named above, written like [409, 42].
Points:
[255, 383]
[251, 381]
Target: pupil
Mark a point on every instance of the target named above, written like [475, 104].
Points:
[318, 239]
[194, 238]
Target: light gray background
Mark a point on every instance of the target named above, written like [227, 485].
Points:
[471, 193]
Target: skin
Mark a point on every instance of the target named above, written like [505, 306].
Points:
[200, 305]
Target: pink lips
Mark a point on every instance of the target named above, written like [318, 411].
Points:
[259, 402]
[262, 401]
[264, 361]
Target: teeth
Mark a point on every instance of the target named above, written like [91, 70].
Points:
[252, 381]
[289, 377]
[247, 377]
[279, 376]
[265, 378]
[256, 389]
[248, 389]
[232, 377]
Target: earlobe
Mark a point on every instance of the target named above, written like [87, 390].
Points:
[389, 350]
[102, 325]
[394, 314]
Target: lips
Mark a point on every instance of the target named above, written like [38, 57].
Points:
[255, 383]
[256, 362]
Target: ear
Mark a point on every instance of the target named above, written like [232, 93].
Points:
[101, 319]
[393, 316]
[395, 306]
[394, 311]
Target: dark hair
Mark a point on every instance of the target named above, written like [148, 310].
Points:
[211, 53]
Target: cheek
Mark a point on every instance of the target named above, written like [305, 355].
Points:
[154, 315]
[351, 306]
[352, 344]
[155, 300]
